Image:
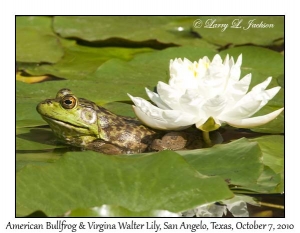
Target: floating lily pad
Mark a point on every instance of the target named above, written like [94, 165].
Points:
[36, 139]
[238, 162]
[35, 40]
[81, 61]
[273, 155]
[33, 46]
[83, 180]
[273, 151]
[38, 158]
[27, 115]
[38, 23]
[136, 30]
[268, 182]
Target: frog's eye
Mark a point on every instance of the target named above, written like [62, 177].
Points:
[68, 102]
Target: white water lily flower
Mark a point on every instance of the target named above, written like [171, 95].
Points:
[207, 94]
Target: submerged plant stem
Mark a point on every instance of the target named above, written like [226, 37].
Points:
[206, 138]
[272, 205]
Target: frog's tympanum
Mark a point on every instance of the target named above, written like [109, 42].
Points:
[80, 122]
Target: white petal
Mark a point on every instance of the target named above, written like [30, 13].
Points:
[216, 60]
[251, 103]
[226, 60]
[239, 60]
[157, 118]
[156, 99]
[262, 85]
[169, 95]
[238, 89]
[182, 74]
[214, 106]
[267, 95]
[159, 122]
[247, 109]
[254, 121]
[235, 72]
[187, 62]
[191, 102]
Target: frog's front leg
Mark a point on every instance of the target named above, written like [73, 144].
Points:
[102, 146]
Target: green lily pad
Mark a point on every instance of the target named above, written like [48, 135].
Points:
[238, 31]
[83, 180]
[38, 23]
[35, 40]
[133, 30]
[33, 46]
[81, 61]
[273, 155]
[238, 162]
[27, 115]
[268, 182]
[37, 158]
[36, 139]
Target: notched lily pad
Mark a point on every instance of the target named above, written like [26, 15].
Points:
[238, 162]
[273, 156]
[153, 31]
[81, 61]
[159, 181]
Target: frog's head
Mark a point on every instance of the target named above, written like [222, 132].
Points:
[72, 119]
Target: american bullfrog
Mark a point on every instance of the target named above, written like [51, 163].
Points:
[82, 123]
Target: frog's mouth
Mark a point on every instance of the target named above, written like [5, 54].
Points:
[63, 123]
